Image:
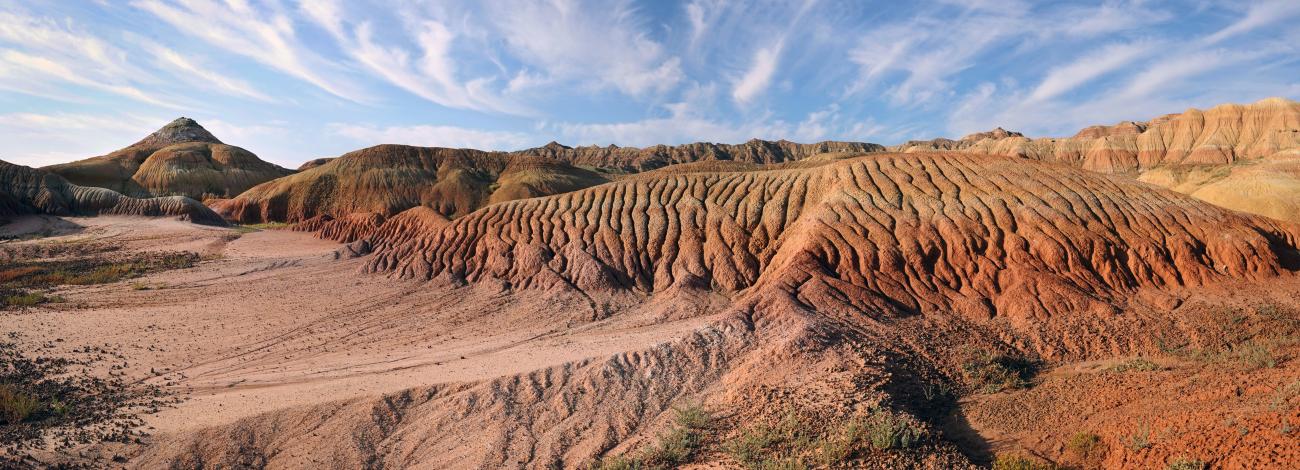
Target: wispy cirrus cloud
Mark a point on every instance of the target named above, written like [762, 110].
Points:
[266, 35]
[38, 53]
[597, 44]
[426, 69]
[1062, 79]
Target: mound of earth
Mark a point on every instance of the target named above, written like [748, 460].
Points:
[25, 190]
[983, 237]
[180, 159]
[828, 292]
[649, 158]
[1185, 152]
[389, 179]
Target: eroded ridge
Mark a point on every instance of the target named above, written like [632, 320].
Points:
[25, 190]
[977, 235]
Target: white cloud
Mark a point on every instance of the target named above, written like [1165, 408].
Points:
[819, 125]
[429, 72]
[189, 67]
[44, 52]
[1064, 78]
[431, 136]
[1258, 15]
[266, 36]
[601, 43]
[759, 76]
[40, 139]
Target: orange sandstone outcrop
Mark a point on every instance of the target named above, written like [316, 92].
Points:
[1193, 152]
[1224, 134]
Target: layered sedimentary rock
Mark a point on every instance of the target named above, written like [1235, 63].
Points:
[1224, 134]
[25, 190]
[1190, 152]
[641, 159]
[982, 236]
[388, 179]
[181, 159]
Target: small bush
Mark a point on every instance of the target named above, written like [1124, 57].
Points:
[1086, 446]
[1185, 463]
[885, 430]
[676, 446]
[16, 406]
[1006, 461]
[753, 445]
[1140, 439]
[991, 372]
[28, 299]
[1284, 395]
[1254, 355]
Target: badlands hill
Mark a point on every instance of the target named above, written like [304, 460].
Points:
[25, 190]
[381, 181]
[182, 158]
[835, 290]
[942, 233]
[1238, 156]
[641, 159]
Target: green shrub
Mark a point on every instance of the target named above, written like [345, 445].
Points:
[28, 299]
[16, 406]
[886, 431]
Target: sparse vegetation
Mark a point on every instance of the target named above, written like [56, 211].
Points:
[1285, 395]
[793, 443]
[27, 299]
[1139, 439]
[15, 406]
[1137, 364]
[676, 446]
[1185, 463]
[990, 372]
[250, 228]
[1007, 461]
[28, 284]
[1086, 446]
[58, 401]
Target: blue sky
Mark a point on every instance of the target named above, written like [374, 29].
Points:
[292, 80]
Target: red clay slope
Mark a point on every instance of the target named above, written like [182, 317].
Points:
[981, 236]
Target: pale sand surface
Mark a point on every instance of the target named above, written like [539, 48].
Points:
[272, 320]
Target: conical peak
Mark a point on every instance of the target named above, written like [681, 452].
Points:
[181, 130]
